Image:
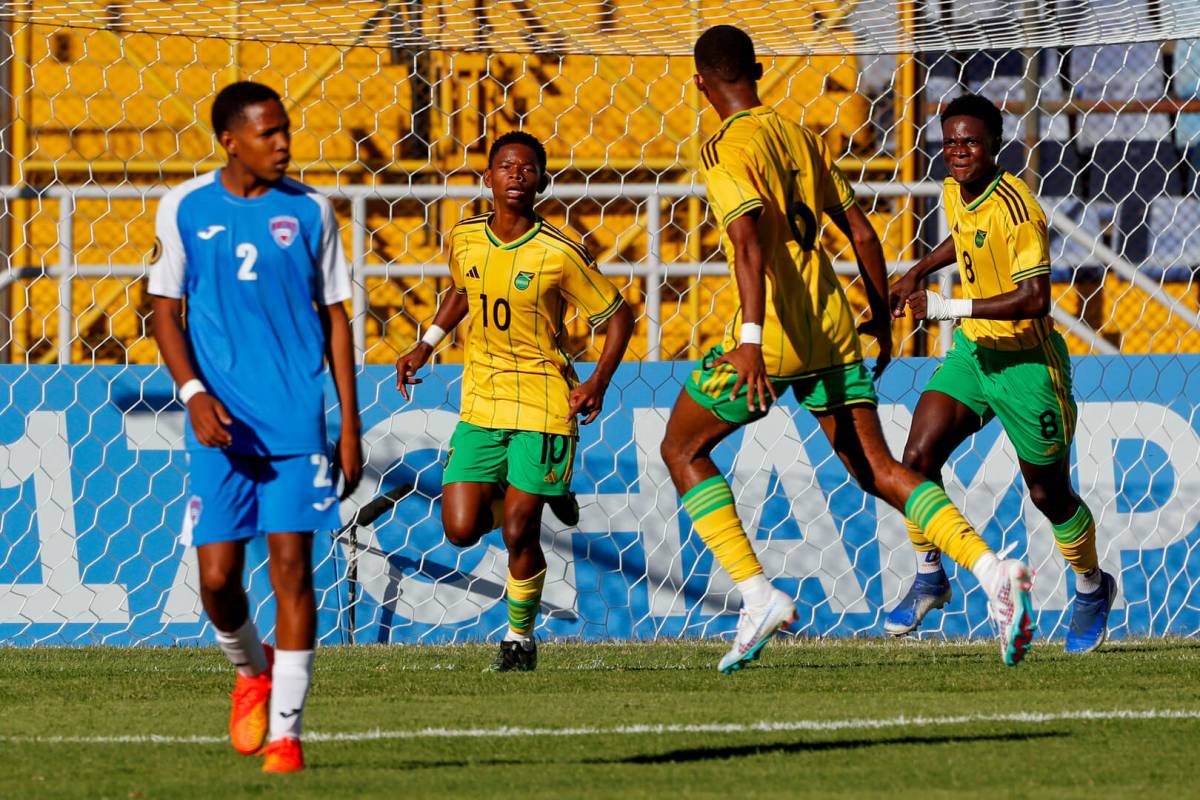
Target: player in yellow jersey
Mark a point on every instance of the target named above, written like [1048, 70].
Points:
[1007, 361]
[768, 182]
[513, 451]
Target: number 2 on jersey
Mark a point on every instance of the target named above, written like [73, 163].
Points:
[321, 479]
[249, 254]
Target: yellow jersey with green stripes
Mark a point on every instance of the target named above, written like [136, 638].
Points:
[1000, 239]
[762, 163]
[515, 373]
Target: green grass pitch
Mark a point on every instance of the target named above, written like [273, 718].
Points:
[812, 719]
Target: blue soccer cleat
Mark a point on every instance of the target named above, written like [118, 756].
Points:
[929, 590]
[1089, 616]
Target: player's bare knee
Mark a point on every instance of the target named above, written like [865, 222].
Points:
[918, 459]
[518, 527]
[676, 453]
[462, 533]
[463, 528]
[220, 579]
[290, 574]
[1054, 503]
[520, 540]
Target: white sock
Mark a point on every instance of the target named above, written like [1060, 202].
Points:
[244, 649]
[756, 591]
[289, 687]
[985, 570]
[1088, 582]
[929, 561]
[512, 636]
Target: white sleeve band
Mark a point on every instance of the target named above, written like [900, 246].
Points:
[751, 333]
[190, 390]
[434, 335]
[946, 308]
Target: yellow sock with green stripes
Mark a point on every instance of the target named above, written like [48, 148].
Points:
[524, 596]
[944, 526]
[714, 516]
[920, 542]
[1076, 539]
[929, 558]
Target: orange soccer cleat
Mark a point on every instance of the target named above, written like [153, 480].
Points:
[283, 755]
[249, 718]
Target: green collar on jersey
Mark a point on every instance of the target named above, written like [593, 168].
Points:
[515, 243]
[739, 115]
[986, 192]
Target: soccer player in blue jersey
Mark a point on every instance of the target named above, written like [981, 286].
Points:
[257, 258]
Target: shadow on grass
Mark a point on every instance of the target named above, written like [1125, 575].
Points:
[694, 754]
[739, 751]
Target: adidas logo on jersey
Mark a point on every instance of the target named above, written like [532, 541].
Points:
[473, 273]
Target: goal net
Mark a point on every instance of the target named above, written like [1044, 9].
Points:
[393, 105]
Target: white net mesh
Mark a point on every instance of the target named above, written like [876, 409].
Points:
[632, 28]
[392, 107]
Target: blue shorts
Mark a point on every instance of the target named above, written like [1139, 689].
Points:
[233, 497]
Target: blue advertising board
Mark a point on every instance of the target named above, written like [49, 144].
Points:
[93, 489]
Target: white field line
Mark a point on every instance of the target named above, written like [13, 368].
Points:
[1030, 717]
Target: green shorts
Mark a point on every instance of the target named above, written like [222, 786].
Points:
[843, 385]
[537, 463]
[1029, 390]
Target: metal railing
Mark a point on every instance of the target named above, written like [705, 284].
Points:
[653, 268]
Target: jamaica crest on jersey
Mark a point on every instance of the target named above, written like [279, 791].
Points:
[284, 230]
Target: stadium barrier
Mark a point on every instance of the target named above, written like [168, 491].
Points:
[654, 269]
[92, 497]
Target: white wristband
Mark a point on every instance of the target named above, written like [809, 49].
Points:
[751, 333]
[434, 335]
[946, 308]
[190, 389]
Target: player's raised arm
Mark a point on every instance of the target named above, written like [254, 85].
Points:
[450, 312]
[1030, 299]
[937, 258]
[868, 252]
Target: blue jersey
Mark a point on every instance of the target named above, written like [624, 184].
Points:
[253, 272]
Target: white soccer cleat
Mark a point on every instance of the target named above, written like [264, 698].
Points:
[1011, 609]
[755, 628]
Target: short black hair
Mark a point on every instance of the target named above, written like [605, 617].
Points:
[230, 105]
[979, 107]
[727, 52]
[519, 137]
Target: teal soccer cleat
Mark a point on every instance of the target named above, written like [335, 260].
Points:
[1011, 608]
[755, 628]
